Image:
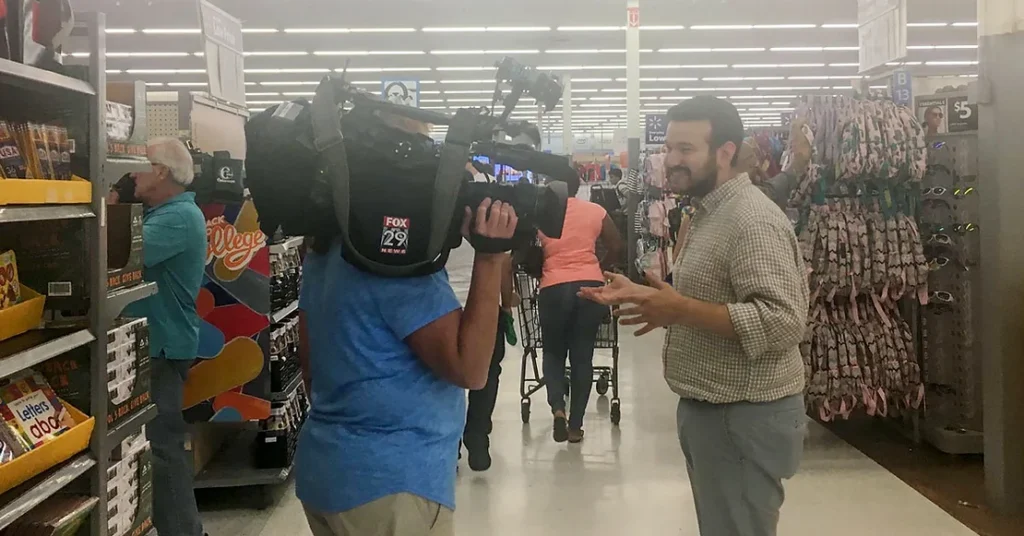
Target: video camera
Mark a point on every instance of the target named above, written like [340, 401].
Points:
[340, 166]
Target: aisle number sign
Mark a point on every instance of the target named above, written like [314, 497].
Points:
[222, 49]
[902, 87]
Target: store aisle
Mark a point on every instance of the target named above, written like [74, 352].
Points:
[631, 480]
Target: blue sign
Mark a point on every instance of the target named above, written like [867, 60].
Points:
[902, 85]
[656, 127]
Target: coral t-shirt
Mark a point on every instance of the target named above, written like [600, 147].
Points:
[573, 257]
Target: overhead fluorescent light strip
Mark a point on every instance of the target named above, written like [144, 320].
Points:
[480, 52]
[276, 53]
[591, 28]
[260, 30]
[722, 27]
[170, 30]
[120, 30]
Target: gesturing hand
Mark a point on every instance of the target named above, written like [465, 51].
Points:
[617, 291]
[658, 309]
[499, 222]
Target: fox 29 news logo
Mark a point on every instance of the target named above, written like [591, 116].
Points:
[394, 239]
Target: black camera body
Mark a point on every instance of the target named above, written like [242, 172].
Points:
[393, 197]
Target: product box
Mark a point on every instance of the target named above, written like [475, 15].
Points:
[60, 515]
[128, 389]
[130, 489]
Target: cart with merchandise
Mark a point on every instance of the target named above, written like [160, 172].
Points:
[532, 380]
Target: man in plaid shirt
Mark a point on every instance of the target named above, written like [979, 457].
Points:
[735, 317]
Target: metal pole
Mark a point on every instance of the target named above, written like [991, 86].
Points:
[567, 137]
[632, 120]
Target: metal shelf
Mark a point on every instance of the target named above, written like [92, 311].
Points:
[281, 314]
[35, 79]
[10, 214]
[119, 299]
[288, 390]
[22, 499]
[133, 425]
[234, 467]
[34, 347]
[290, 243]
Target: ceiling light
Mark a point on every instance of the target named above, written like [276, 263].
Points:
[434, 108]
[844, 65]
[927, 24]
[704, 66]
[469, 52]
[772, 65]
[464, 29]
[950, 63]
[152, 84]
[590, 28]
[289, 83]
[432, 100]
[784, 26]
[739, 49]
[381, 69]
[723, 27]
[581, 90]
[466, 81]
[264, 102]
[467, 69]
[285, 71]
[120, 30]
[579, 98]
[585, 51]
[341, 53]
[139, 54]
[684, 50]
[164, 71]
[787, 109]
[715, 88]
[170, 30]
[396, 52]
[840, 77]
[465, 91]
[263, 94]
[316, 30]
[276, 53]
[942, 47]
[260, 30]
[842, 49]
[655, 89]
[762, 97]
[574, 80]
[299, 93]
[839, 26]
[965, 24]
[518, 28]
[788, 88]
[662, 28]
[673, 79]
[381, 30]
[186, 84]
[429, 92]
[797, 49]
[600, 105]
[468, 100]
[741, 78]
[608, 98]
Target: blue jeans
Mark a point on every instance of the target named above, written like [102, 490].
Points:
[569, 327]
[174, 501]
[737, 456]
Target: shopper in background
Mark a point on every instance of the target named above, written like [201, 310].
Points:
[621, 191]
[388, 361]
[174, 252]
[735, 320]
[568, 323]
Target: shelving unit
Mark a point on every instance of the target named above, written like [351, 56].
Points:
[81, 101]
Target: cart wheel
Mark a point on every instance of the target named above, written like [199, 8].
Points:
[602, 384]
[525, 410]
[616, 412]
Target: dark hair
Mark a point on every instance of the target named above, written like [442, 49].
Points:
[726, 124]
[615, 171]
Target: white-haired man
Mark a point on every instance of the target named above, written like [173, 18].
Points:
[174, 251]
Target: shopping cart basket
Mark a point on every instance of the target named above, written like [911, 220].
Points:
[532, 379]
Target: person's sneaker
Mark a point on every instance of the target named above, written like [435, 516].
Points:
[479, 453]
[561, 429]
[576, 436]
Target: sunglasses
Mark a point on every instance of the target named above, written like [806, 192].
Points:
[941, 296]
[939, 263]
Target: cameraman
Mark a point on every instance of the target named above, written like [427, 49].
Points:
[387, 362]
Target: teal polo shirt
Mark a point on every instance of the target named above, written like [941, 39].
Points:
[174, 251]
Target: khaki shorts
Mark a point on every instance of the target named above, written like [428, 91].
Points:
[403, 514]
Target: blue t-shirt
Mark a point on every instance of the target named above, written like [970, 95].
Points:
[174, 254]
[381, 422]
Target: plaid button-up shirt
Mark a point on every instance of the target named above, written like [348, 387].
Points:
[740, 251]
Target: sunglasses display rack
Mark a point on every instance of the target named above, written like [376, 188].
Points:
[860, 241]
[284, 355]
[285, 277]
[949, 212]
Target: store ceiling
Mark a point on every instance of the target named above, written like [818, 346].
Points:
[761, 53]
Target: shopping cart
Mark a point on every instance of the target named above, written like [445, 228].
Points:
[532, 379]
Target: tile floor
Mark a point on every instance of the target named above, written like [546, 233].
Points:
[628, 480]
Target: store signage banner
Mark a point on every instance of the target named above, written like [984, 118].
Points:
[882, 31]
[404, 92]
[946, 114]
[222, 48]
[655, 127]
[633, 17]
[902, 87]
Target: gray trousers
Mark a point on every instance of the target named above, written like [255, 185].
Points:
[737, 456]
[174, 502]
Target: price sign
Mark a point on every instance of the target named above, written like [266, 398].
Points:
[882, 32]
[222, 50]
[962, 116]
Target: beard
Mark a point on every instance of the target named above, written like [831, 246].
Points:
[696, 184]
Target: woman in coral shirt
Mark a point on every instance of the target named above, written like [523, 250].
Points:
[569, 324]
